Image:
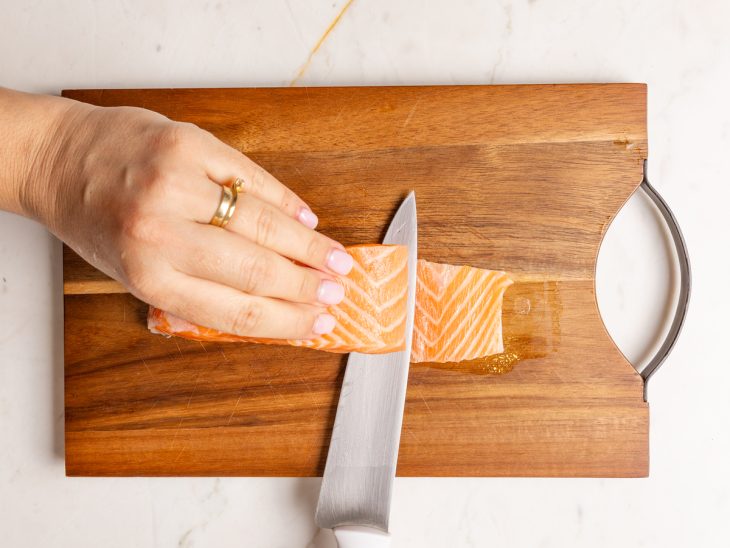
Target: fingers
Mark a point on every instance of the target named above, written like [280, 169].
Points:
[224, 164]
[269, 227]
[267, 213]
[226, 258]
[213, 305]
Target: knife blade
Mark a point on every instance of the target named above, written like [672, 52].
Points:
[363, 453]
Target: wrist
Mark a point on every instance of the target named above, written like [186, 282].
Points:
[51, 175]
[43, 181]
[34, 131]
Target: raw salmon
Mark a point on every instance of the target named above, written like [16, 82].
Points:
[458, 313]
[458, 310]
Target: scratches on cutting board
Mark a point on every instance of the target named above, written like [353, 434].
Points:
[195, 387]
[177, 431]
[319, 43]
[178, 348]
[426, 404]
[339, 114]
[230, 418]
[410, 115]
[182, 450]
[310, 392]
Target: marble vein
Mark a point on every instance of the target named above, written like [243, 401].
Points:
[319, 43]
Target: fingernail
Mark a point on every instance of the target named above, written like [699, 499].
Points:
[307, 217]
[339, 261]
[324, 324]
[330, 292]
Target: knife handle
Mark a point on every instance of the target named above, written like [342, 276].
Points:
[356, 536]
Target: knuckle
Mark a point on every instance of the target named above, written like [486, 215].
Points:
[139, 227]
[304, 323]
[308, 285]
[317, 249]
[246, 319]
[288, 200]
[173, 137]
[265, 226]
[256, 271]
[210, 264]
[258, 180]
[147, 175]
[156, 183]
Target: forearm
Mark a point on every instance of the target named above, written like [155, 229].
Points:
[29, 133]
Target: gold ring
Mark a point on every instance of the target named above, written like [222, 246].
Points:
[226, 207]
[239, 185]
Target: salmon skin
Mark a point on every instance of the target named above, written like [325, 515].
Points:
[458, 310]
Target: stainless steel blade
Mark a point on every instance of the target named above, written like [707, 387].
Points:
[358, 477]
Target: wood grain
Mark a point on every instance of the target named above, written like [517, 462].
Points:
[520, 178]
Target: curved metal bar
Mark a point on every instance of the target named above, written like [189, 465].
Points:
[685, 282]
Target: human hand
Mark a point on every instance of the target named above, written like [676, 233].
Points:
[133, 192]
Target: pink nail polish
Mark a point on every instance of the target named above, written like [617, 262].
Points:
[307, 217]
[324, 324]
[330, 292]
[339, 261]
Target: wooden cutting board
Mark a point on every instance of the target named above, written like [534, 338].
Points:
[520, 178]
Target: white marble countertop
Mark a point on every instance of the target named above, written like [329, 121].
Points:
[681, 49]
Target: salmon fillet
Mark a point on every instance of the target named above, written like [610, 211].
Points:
[458, 310]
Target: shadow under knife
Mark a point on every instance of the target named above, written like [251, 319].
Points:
[306, 492]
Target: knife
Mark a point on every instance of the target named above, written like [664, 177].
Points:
[354, 499]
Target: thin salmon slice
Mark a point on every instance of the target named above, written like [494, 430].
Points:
[458, 310]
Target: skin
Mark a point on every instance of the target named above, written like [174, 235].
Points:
[133, 192]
